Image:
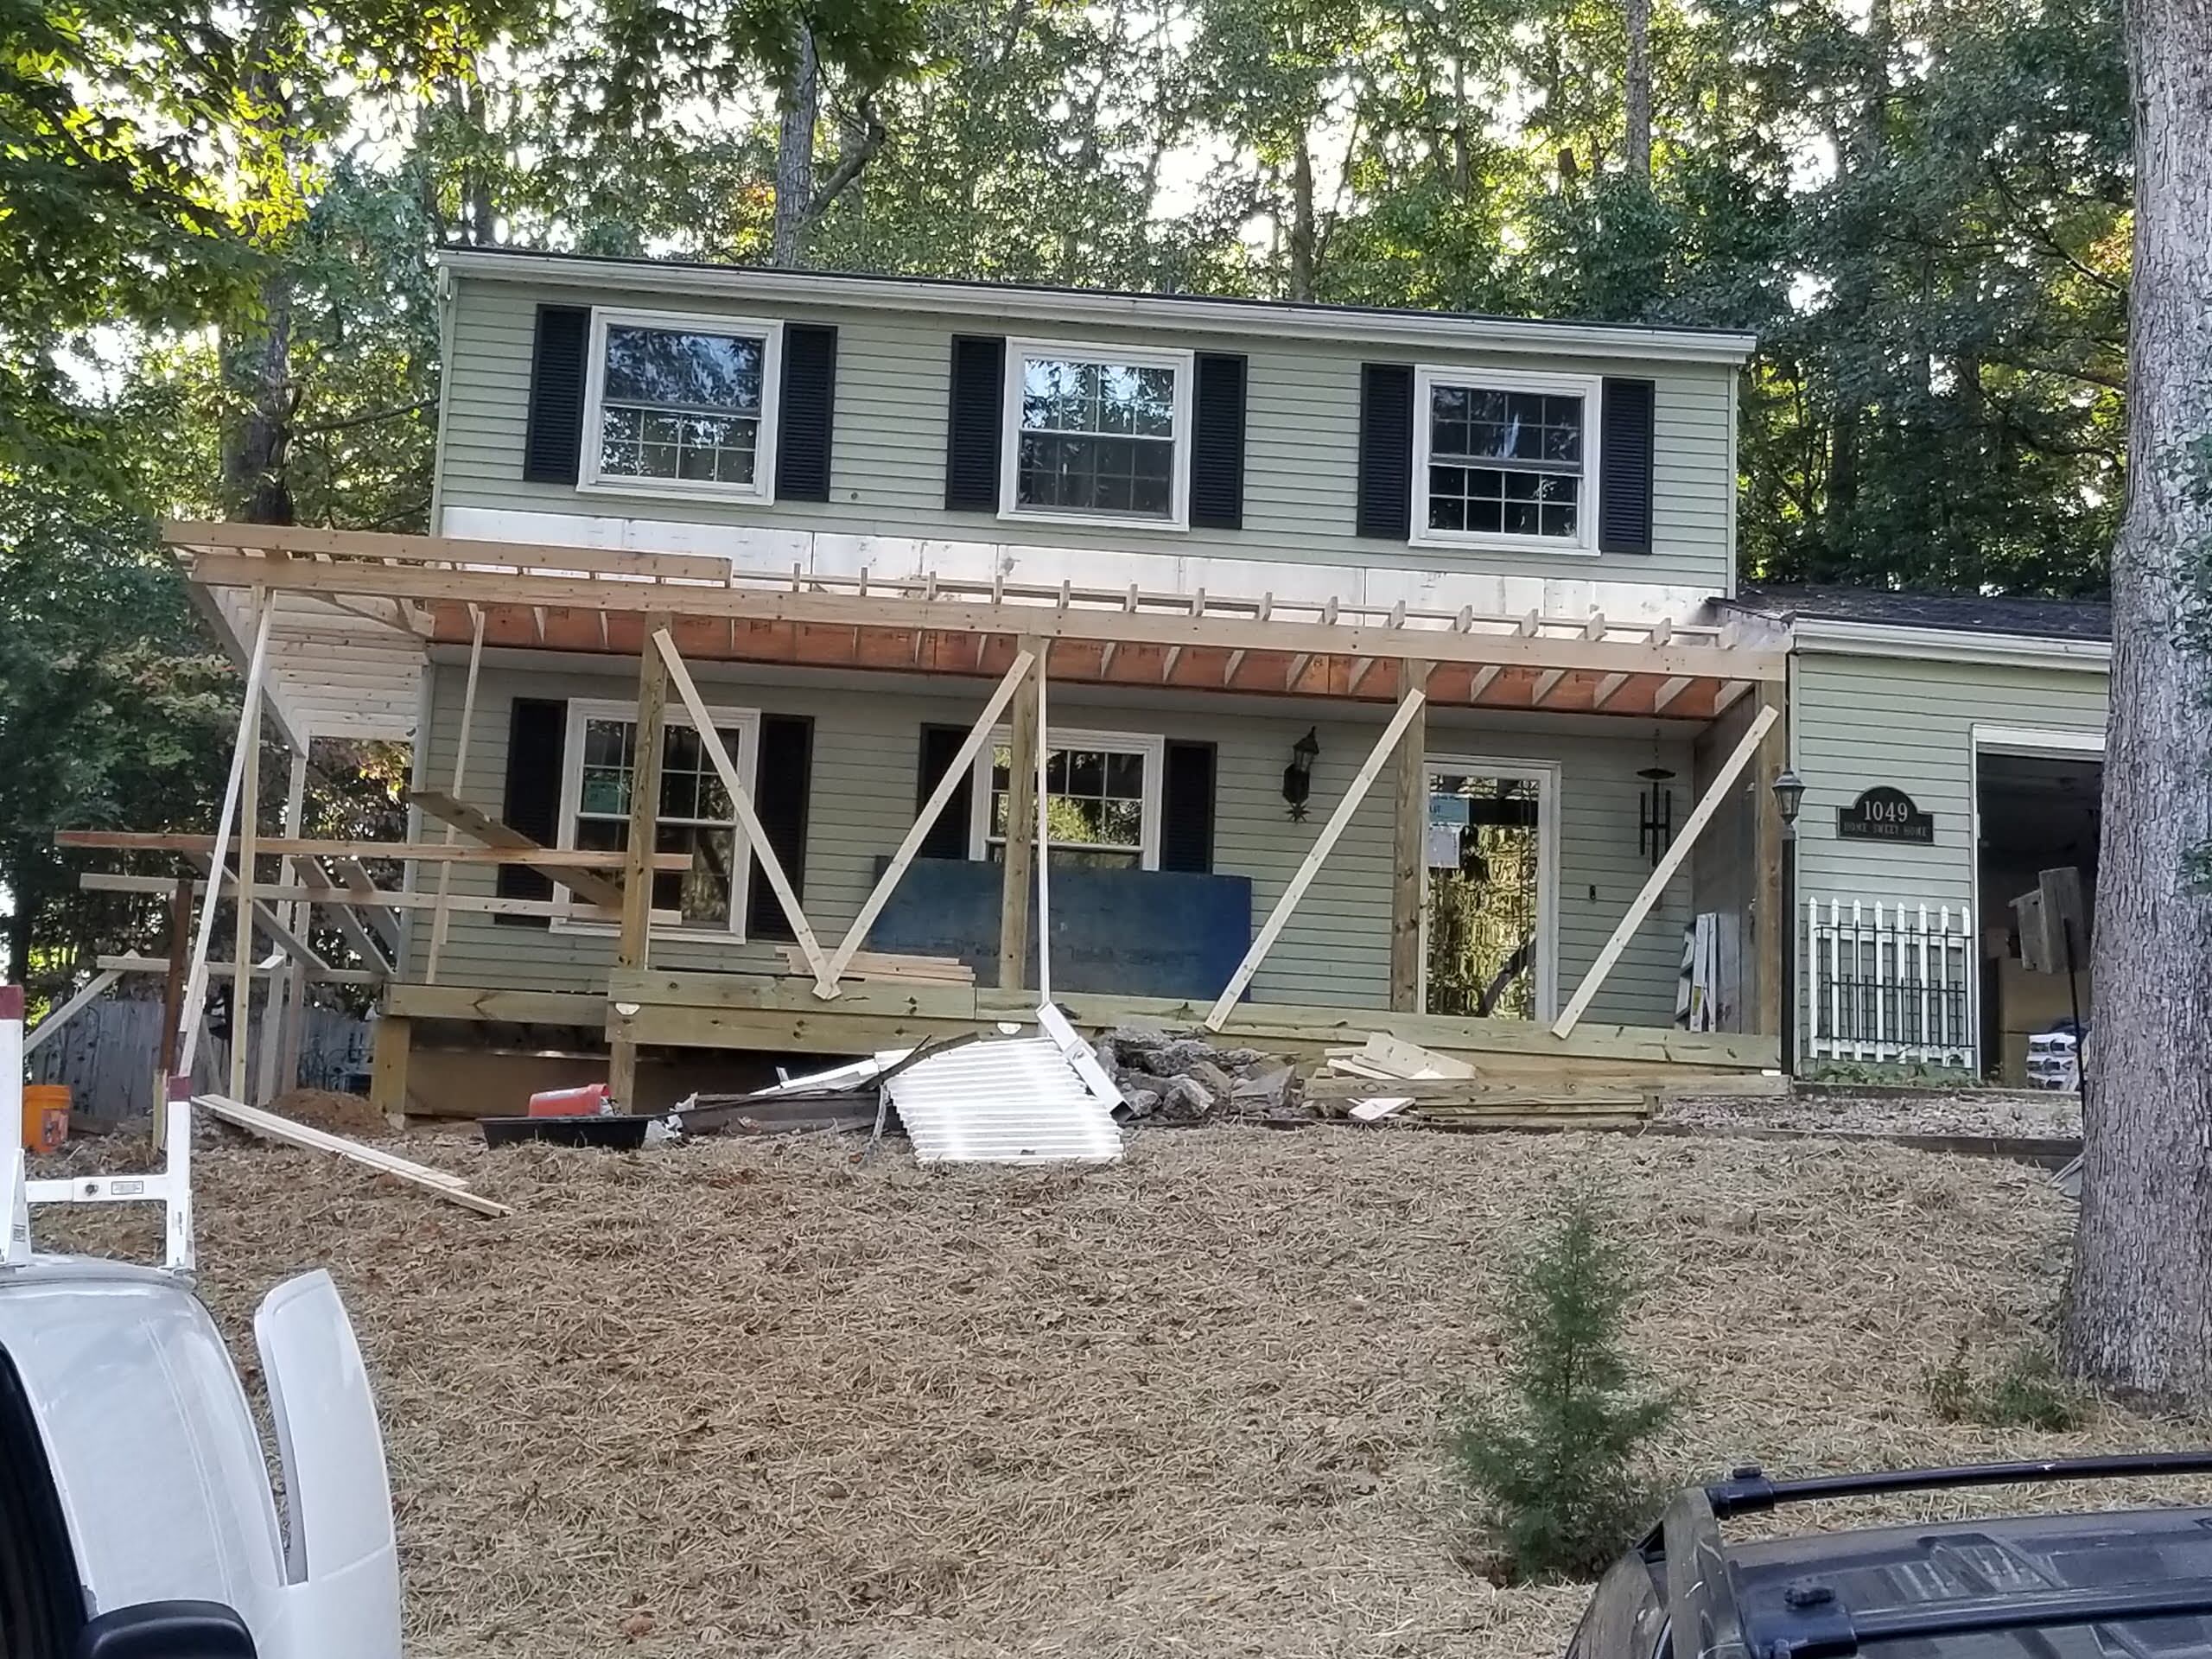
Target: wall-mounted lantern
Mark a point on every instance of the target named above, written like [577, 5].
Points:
[1658, 829]
[1789, 795]
[1298, 776]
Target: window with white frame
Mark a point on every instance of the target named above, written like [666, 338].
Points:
[683, 404]
[696, 816]
[1097, 433]
[1101, 793]
[1504, 458]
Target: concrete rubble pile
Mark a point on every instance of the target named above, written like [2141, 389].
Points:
[1167, 1079]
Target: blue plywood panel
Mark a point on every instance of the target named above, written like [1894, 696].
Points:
[1137, 933]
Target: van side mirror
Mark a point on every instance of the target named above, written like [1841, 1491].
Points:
[167, 1630]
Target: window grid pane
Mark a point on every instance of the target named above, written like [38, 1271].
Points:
[1505, 463]
[1097, 437]
[695, 816]
[681, 405]
[1094, 813]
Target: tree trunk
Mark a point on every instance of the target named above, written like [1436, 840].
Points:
[1635, 92]
[2139, 1314]
[1302, 232]
[795, 155]
[258, 368]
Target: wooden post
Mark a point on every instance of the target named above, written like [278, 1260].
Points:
[1020, 825]
[1409, 704]
[638, 867]
[173, 999]
[249, 826]
[459, 780]
[1663, 872]
[1771, 1002]
[287, 990]
[1410, 851]
[957, 776]
[1043, 839]
[388, 1065]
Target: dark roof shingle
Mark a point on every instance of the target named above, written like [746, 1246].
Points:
[2047, 619]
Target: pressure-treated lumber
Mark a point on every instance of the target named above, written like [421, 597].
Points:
[388, 1057]
[1410, 705]
[872, 964]
[634, 941]
[249, 828]
[436, 1182]
[958, 776]
[488, 831]
[342, 905]
[1768, 997]
[1663, 872]
[1409, 852]
[425, 852]
[343, 902]
[439, 915]
[764, 851]
[1020, 849]
[133, 964]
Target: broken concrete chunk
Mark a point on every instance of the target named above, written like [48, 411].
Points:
[1265, 1094]
[1184, 1100]
[1219, 1082]
[1137, 1102]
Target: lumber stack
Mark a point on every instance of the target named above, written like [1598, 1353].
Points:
[1388, 1077]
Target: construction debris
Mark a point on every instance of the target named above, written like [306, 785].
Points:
[1436, 1090]
[1166, 1078]
[452, 1188]
[1015, 1100]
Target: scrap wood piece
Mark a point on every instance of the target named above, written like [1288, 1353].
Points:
[489, 831]
[454, 1189]
[875, 964]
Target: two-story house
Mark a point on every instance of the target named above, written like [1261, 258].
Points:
[1384, 669]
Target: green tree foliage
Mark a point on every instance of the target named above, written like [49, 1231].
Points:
[1555, 1456]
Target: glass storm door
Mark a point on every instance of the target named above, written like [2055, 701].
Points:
[1484, 919]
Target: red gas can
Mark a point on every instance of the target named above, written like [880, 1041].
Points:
[586, 1101]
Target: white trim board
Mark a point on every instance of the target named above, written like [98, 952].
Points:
[761, 492]
[1949, 645]
[2056, 740]
[1060, 307]
[1019, 353]
[1150, 746]
[1588, 388]
[760, 550]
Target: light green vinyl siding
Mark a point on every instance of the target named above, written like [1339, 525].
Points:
[1301, 461]
[1335, 952]
[1857, 722]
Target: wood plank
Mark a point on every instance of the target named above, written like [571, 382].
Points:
[1020, 852]
[563, 858]
[872, 964]
[1409, 852]
[356, 881]
[467, 1002]
[1663, 872]
[344, 901]
[1473, 1092]
[436, 1182]
[441, 914]
[958, 776]
[388, 1063]
[763, 849]
[1536, 1122]
[635, 941]
[51, 1026]
[134, 964]
[488, 831]
[242, 932]
[1770, 1000]
[342, 907]
[820, 1029]
[1409, 706]
[1406, 1060]
[709, 990]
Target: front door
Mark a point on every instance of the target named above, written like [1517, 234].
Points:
[1487, 920]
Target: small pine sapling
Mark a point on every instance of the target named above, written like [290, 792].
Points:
[1555, 1455]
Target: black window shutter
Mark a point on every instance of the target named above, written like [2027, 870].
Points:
[537, 732]
[554, 439]
[1186, 807]
[971, 433]
[808, 408]
[1217, 443]
[947, 836]
[1386, 449]
[781, 785]
[1624, 466]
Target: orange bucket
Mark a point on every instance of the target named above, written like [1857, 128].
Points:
[46, 1116]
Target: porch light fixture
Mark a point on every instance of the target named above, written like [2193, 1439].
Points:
[1657, 828]
[1298, 776]
[1788, 794]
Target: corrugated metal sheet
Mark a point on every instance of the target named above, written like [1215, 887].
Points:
[1016, 1102]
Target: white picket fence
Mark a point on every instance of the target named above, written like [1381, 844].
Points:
[1890, 983]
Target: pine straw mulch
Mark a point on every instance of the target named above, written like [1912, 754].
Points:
[749, 1397]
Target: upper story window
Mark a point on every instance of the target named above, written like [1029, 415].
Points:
[695, 816]
[682, 403]
[1505, 459]
[1100, 434]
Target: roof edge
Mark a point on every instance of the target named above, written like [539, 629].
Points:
[1952, 644]
[1275, 318]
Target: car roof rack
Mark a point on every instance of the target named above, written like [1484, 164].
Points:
[1806, 1619]
[1749, 1490]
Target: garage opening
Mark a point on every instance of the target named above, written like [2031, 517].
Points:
[2040, 810]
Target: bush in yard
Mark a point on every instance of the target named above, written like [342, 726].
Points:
[2023, 1390]
[1555, 1454]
